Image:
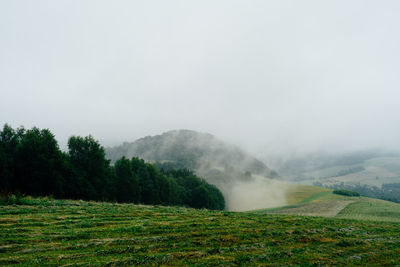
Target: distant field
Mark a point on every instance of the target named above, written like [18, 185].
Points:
[75, 233]
[316, 201]
[377, 171]
[391, 164]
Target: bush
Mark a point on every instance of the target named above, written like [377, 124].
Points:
[12, 199]
[346, 193]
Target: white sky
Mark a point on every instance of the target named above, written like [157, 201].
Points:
[272, 76]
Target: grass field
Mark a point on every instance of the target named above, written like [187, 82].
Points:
[317, 201]
[76, 233]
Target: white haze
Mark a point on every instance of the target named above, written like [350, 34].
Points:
[261, 193]
[275, 77]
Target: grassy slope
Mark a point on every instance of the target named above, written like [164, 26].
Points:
[82, 233]
[300, 194]
[317, 201]
[372, 209]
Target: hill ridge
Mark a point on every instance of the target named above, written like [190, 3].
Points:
[222, 164]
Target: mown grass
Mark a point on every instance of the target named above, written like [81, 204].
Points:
[297, 194]
[81, 233]
[372, 210]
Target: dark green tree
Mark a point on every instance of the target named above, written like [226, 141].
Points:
[4, 177]
[90, 167]
[38, 166]
[9, 140]
[196, 192]
[126, 182]
[200, 197]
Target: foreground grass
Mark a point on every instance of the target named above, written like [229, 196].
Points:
[47, 232]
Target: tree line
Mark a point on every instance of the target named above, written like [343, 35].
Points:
[32, 163]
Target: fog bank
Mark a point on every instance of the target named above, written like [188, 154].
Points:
[276, 77]
[261, 193]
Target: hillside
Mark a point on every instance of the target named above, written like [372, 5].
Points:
[47, 232]
[369, 167]
[316, 201]
[190, 149]
[240, 177]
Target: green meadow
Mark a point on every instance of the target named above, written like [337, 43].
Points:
[45, 232]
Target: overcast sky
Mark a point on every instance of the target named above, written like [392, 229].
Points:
[272, 76]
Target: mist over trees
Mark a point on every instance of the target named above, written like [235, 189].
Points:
[32, 163]
[240, 177]
[192, 150]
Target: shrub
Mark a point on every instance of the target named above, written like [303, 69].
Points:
[346, 193]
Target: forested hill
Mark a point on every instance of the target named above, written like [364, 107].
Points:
[240, 177]
[189, 149]
[32, 163]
